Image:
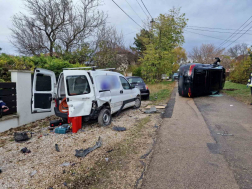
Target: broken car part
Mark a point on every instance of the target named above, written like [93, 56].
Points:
[83, 153]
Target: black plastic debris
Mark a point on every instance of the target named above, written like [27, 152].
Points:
[83, 153]
[25, 150]
[57, 148]
[1, 171]
[22, 136]
[65, 184]
[119, 128]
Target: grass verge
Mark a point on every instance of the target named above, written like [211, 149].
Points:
[160, 91]
[101, 174]
[239, 91]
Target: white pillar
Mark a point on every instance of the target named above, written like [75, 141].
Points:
[23, 87]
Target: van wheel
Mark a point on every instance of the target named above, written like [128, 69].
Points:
[137, 102]
[104, 118]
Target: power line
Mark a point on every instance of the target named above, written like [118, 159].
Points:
[146, 9]
[207, 35]
[234, 32]
[212, 28]
[215, 31]
[127, 15]
[134, 11]
[142, 8]
[239, 37]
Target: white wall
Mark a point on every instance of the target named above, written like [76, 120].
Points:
[23, 87]
[7, 124]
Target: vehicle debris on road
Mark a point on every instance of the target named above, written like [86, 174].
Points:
[25, 150]
[151, 110]
[57, 148]
[22, 136]
[119, 128]
[83, 153]
[33, 173]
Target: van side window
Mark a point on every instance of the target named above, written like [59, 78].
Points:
[43, 83]
[77, 85]
[125, 83]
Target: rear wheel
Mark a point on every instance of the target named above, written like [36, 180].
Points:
[104, 118]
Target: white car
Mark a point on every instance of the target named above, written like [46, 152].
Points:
[88, 93]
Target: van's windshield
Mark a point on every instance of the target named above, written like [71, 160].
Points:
[77, 85]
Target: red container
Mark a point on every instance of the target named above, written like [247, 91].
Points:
[76, 124]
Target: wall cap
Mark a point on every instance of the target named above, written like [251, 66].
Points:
[23, 71]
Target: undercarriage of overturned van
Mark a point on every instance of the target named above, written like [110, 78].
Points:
[200, 79]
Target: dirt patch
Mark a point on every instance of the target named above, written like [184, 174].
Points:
[230, 89]
[122, 149]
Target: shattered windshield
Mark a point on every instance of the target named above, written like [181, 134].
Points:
[77, 85]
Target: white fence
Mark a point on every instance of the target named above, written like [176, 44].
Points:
[24, 115]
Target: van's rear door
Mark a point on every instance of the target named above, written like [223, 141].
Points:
[43, 90]
[79, 92]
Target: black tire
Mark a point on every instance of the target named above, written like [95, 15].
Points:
[137, 102]
[104, 118]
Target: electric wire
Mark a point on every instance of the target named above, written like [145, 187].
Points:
[127, 14]
[215, 31]
[134, 11]
[142, 9]
[212, 28]
[234, 32]
[207, 35]
[147, 9]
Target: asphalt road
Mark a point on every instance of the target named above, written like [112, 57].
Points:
[207, 143]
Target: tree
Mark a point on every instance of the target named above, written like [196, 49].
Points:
[53, 23]
[141, 42]
[181, 56]
[237, 50]
[106, 46]
[205, 54]
[167, 34]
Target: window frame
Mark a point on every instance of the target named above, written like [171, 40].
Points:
[68, 92]
[126, 81]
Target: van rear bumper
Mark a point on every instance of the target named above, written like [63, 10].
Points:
[59, 114]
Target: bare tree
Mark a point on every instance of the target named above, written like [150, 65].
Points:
[55, 23]
[205, 54]
[237, 50]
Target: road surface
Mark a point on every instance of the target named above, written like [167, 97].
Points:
[205, 143]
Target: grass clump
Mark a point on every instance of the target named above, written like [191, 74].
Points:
[239, 91]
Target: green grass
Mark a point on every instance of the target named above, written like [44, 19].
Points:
[160, 91]
[241, 92]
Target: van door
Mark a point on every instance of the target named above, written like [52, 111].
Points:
[126, 93]
[79, 92]
[43, 90]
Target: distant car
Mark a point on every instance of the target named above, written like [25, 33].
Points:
[164, 77]
[138, 82]
[197, 79]
[175, 76]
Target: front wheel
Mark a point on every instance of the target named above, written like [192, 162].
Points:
[104, 118]
[137, 102]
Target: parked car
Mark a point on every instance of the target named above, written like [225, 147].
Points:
[197, 79]
[175, 76]
[164, 77]
[88, 93]
[138, 82]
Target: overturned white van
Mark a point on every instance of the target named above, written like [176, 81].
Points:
[91, 94]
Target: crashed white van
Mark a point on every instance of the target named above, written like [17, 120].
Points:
[89, 93]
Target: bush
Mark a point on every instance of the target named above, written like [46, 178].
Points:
[241, 71]
[9, 62]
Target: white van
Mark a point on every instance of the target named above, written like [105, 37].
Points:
[89, 93]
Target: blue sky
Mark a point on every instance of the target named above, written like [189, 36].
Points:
[226, 14]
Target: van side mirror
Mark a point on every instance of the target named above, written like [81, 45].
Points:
[132, 86]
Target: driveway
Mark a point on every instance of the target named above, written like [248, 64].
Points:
[206, 143]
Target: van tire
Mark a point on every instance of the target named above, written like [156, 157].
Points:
[104, 118]
[137, 102]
